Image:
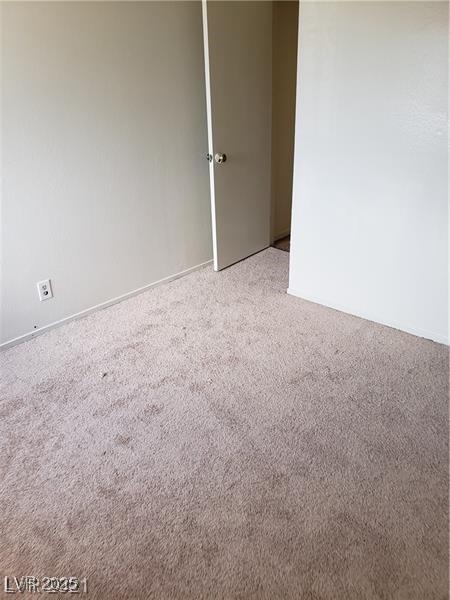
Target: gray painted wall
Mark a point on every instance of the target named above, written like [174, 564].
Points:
[105, 185]
[284, 81]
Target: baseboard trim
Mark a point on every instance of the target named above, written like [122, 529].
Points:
[430, 335]
[83, 313]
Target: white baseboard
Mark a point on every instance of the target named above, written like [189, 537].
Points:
[88, 311]
[430, 335]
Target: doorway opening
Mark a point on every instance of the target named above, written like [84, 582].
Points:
[284, 83]
[250, 74]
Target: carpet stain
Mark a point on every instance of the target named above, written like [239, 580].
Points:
[153, 409]
[123, 440]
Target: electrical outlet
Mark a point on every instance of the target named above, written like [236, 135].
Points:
[45, 289]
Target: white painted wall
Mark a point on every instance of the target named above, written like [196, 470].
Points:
[105, 184]
[369, 233]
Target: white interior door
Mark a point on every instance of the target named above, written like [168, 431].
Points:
[238, 66]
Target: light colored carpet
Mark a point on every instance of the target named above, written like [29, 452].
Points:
[215, 438]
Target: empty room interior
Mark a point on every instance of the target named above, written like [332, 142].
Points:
[224, 362]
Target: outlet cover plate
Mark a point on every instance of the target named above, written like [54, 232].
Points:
[45, 289]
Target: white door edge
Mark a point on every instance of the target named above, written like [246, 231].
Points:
[210, 131]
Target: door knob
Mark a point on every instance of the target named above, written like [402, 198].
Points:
[220, 158]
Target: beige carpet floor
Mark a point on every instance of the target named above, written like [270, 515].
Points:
[283, 244]
[215, 438]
